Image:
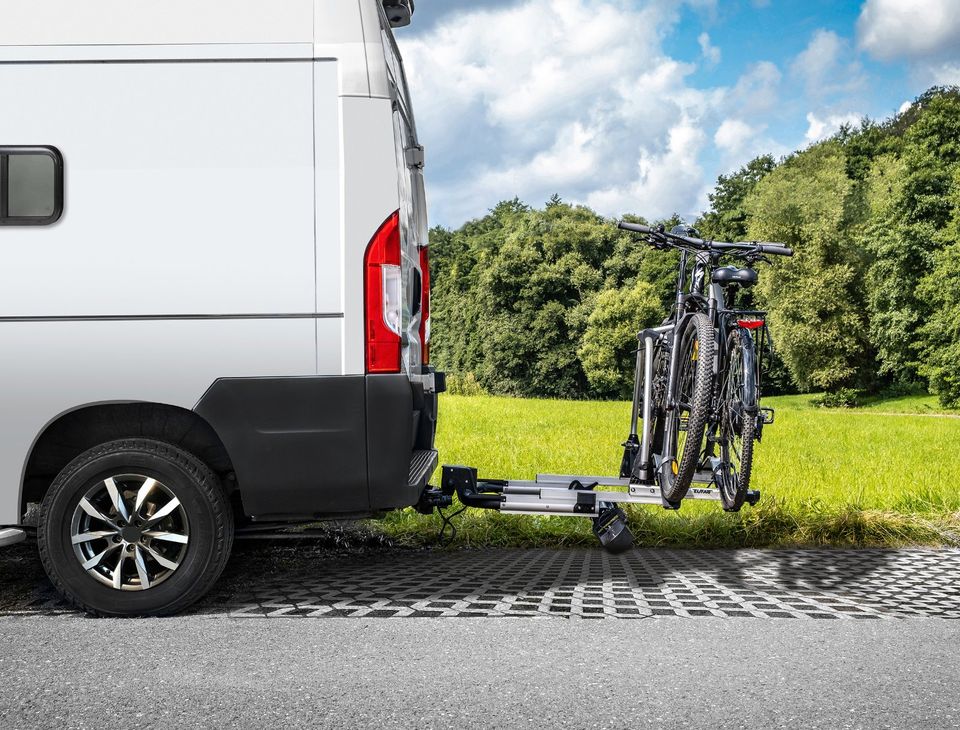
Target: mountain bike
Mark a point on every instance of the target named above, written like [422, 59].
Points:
[698, 375]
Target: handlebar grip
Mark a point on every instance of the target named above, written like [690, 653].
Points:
[634, 227]
[776, 250]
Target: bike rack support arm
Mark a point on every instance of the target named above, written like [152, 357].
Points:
[462, 480]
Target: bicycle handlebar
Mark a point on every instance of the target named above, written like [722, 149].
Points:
[635, 227]
[774, 249]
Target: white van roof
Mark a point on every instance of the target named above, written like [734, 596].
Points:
[131, 30]
[177, 22]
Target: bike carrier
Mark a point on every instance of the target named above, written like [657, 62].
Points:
[570, 495]
[580, 495]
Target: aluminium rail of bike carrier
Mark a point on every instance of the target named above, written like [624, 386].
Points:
[558, 494]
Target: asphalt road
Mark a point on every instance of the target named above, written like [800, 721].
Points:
[71, 672]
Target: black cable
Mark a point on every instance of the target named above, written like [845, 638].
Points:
[448, 522]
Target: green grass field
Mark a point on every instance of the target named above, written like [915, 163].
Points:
[883, 474]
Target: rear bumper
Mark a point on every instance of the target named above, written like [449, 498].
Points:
[305, 448]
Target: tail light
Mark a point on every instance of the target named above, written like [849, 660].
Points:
[382, 298]
[425, 305]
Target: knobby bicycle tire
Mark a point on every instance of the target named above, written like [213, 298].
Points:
[694, 381]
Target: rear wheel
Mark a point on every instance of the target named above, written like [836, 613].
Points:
[135, 528]
[685, 424]
[738, 420]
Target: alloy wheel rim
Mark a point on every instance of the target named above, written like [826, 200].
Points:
[130, 532]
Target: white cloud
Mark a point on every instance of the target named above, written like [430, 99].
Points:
[550, 96]
[821, 128]
[819, 57]
[733, 134]
[553, 96]
[711, 54]
[943, 74]
[891, 29]
[827, 66]
[668, 180]
[758, 89]
[904, 107]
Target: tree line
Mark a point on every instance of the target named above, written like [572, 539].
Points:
[547, 301]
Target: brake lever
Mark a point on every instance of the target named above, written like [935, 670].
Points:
[658, 242]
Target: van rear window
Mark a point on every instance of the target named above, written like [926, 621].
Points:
[31, 186]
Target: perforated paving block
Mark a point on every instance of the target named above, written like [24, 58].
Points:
[779, 584]
[580, 584]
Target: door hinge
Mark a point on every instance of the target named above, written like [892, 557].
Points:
[415, 157]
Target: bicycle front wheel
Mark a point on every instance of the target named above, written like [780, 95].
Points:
[738, 419]
[686, 422]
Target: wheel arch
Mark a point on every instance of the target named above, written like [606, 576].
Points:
[78, 429]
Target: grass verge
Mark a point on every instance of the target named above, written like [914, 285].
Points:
[883, 475]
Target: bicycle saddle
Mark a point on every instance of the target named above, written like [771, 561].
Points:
[731, 275]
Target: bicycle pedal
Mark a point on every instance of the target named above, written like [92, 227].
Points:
[767, 415]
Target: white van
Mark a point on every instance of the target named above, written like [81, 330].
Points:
[214, 305]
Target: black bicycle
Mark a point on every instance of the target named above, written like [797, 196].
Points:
[698, 375]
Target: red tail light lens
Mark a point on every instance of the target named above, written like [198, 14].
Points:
[382, 297]
[750, 324]
[425, 305]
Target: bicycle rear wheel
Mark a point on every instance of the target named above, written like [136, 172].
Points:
[685, 424]
[738, 421]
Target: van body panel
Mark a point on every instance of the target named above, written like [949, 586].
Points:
[160, 161]
[370, 194]
[153, 54]
[62, 366]
[171, 22]
[327, 193]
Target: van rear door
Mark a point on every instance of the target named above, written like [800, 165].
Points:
[413, 208]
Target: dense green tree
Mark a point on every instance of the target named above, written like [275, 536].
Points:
[911, 202]
[728, 217]
[608, 347]
[940, 334]
[815, 299]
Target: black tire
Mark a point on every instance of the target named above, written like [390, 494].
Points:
[201, 500]
[738, 420]
[694, 389]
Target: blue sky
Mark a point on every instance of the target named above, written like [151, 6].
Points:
[638, 105]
